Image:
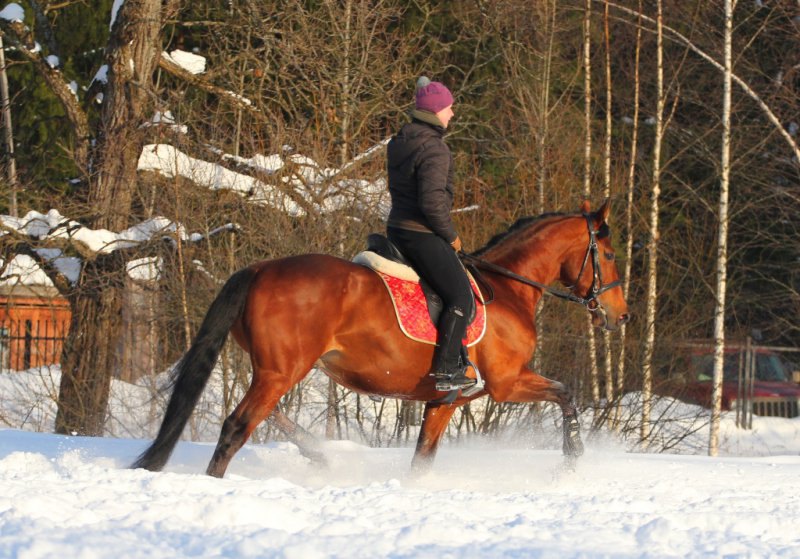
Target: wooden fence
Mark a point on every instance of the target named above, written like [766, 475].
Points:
[27, 343]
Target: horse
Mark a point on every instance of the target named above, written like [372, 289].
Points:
[300, 312]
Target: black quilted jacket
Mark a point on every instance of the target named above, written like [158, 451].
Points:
[420, 169]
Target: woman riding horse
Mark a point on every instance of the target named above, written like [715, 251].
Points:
[313, 311]
[420, 169]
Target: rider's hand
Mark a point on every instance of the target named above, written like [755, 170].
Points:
[456, 244]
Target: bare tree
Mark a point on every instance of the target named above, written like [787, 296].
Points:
[629, 209]
[594, 371]
[722, 239]
[108, 164]
[608, 361]
[8, 132]
[653, 240]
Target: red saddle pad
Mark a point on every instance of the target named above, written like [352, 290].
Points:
[412, 313]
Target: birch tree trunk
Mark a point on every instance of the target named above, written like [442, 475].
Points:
[678, 37]
[587, 99]
[544, 101]
[652, 244]
[626, 276]
[722, 246]
[541, 156]
[587, 174]
[8, 133]
[608, 362]
[346, 103]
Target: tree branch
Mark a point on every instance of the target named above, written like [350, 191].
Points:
[682, 39]
[22, 38]
[179, 72]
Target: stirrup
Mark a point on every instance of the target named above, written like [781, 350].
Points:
[455, 382]
[473, 387]
[453, 393]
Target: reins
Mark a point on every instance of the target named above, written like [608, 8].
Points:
[481, 264]
[595, 291]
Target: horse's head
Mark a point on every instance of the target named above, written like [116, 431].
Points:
[591, 271]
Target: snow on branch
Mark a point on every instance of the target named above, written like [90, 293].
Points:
[186, 70]
[13, 12]
[53, 225]
[193, 63]
[292, 183]
[52, 234]
[171, 162]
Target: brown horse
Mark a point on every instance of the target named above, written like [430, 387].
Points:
[299, 312]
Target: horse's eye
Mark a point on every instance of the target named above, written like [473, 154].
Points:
[609, 255]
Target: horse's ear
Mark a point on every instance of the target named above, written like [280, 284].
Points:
[604, 211]
[586, 207]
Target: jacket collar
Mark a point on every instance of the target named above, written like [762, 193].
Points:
[428, 118]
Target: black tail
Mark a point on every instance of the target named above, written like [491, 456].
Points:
[195, 368]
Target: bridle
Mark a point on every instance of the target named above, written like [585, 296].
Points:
[590, 300]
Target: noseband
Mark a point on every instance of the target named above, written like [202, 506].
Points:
[590, 300]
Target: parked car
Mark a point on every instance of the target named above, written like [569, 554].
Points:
[774, 392]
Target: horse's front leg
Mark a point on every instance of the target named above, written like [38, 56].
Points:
[529, 387]
[434, 424]
[572, 446]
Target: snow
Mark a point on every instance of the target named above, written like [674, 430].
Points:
[171, 162]
[53, 61]
[12, 12]
[166, 120]
[190, 62]
[75, 497]
[101, 75]
[146, 269]
[23, 270]
[259, 162]
[308, 181]
[52, 225]
[114, 11]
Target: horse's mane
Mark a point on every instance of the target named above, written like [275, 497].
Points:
[521, 223]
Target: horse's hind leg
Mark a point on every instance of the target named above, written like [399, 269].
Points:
[434, 423]
[259, 401]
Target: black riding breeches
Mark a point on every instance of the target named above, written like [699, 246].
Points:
[437, 263]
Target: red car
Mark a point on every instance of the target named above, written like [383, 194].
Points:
[773, 391]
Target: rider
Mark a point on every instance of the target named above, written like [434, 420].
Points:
[420, 169]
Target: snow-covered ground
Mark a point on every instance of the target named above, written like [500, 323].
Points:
[75, 497]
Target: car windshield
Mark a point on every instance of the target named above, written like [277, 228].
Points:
[769, 367]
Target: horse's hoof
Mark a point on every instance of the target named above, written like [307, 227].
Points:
[573, 445]
[570, 463]
[316, 458]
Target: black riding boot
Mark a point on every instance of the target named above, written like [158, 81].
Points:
[448, 367]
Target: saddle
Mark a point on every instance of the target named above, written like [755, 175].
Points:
[417, 305]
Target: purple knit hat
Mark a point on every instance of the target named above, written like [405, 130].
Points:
[432, 96]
